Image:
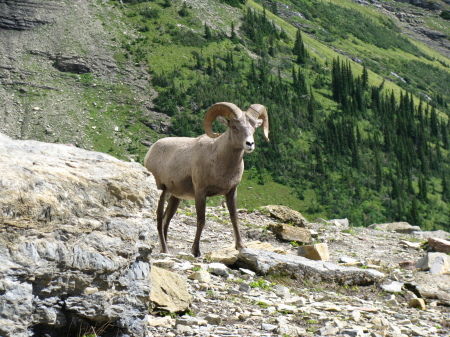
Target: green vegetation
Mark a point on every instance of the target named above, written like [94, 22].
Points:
[344, 141]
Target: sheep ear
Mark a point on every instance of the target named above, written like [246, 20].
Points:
[258, 123]
[222, 120]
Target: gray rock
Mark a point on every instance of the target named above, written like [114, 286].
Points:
[399, 227]
[218, 269]
[290, 233]
[318, 251]
[439, 245]
[282, 291]
[244, 287]
[393, 287]
[328, 330]
[264, 262]
[269, 327]
[72, 64]
[436, 263]
[213, 319]
[25, 14]
[70, 246]
[352, 332]
[286, 215]
[169, 291]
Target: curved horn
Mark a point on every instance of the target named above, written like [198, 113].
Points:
[258, 111]
[225, 109]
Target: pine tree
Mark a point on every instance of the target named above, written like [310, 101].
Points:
[414, 217]
[299, 49]
[233, 33]
[365, 78]
[208, 34]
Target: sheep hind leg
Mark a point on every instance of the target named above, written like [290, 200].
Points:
[172, 206]
[159, 221]
[230, 198]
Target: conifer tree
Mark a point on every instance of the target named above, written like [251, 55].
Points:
[208, 34]
[365, 78]
[299, 49]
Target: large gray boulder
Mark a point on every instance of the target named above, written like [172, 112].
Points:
[76, 235]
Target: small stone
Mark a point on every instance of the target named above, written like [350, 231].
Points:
[417, 303]
[282, 291]
[356, 315]
[352, 332]
[333, 308]
[328, 330]
[439, 245]
[289, 309]
[416, 331]
[247, 272]
[244, 315]
[90, 290]
[190, 321]
[436, 263]
[290, 233]
[214, 319]
[166, 322]
[183, 329]
[201, 276]
[346, 259]
[391, 302]
[218, 269]
[297, 301]
[408, 244]
[393, 287]
[269, 327]
[166, 264]
[317, 251]
[409, 265]
[286, 215]
[244, 287]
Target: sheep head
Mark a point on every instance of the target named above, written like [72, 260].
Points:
[242, 125]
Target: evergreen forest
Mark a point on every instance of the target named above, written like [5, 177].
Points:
[355, 135]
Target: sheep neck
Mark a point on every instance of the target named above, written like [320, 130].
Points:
[228, 155]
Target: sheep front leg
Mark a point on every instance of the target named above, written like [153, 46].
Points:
[230, 198]
[200, 207]
[159, 221]
[172, 206]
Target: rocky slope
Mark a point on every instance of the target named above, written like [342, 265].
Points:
[79, 258]
[58, 63]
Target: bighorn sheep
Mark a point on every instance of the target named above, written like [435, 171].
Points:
[206, 166]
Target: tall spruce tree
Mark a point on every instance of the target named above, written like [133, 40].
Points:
[299, 49]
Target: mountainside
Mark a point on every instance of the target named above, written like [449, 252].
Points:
[357, 92]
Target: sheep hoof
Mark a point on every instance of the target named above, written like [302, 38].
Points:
[196, 252]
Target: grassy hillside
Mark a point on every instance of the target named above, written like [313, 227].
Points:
[359, 123]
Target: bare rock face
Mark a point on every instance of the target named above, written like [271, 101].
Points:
[75, 240]
[26, 14]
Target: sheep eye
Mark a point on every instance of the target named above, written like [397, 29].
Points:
[234, 128]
